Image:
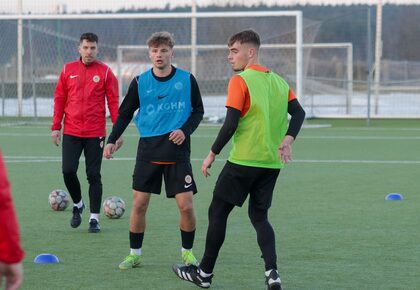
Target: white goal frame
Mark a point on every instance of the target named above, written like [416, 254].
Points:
[191, 15]
[348, 46]
[344, 45]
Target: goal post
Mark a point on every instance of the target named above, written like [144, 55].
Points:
[126, 70]
[202, 27]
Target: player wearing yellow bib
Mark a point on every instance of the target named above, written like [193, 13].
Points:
[258, 104]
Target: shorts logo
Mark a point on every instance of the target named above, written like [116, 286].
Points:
[188, 178]
[96, 79]
[101, 144]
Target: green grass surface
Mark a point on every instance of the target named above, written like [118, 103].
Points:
[334, 230]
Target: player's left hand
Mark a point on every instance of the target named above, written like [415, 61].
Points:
[118, 143]
[177, 136]
[285, 149]
[207, 163]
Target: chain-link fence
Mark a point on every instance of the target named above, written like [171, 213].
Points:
[333, 84]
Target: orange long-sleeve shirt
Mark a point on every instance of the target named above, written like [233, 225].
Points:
[238, 94]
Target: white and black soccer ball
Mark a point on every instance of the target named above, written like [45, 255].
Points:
[59, 200]
[114, 207]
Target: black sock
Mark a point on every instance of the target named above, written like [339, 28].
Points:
[187, 239]
[136, 240]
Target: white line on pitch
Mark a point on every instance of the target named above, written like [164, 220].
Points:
[44, 159]
[361, 137]
[360, 161]
[214, 136]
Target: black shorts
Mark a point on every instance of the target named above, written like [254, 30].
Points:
[235, 182]
[147, 177]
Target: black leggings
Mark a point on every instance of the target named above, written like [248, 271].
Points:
[92, 149]
[219, 211]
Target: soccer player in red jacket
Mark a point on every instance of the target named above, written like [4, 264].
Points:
[11, 254]
[79, 98]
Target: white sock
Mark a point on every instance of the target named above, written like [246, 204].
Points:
[79, 204]
[135, 252]
[183, 250]
[267, 273]
[204, 274]
[94, 216]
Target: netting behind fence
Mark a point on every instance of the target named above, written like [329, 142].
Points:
[48, 44]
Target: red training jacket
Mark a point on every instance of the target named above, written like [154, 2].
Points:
[10, 250]
[80, 97]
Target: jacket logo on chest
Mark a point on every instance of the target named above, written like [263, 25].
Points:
[96, 79]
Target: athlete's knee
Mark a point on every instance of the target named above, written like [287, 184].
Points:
[257, 215]
[140, 204]
[212, 213]
[94, 178]
[186, 207]
[69, 173]
[219, 210]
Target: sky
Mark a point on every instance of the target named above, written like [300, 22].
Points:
[74, 6]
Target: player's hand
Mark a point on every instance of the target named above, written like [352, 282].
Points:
[56, 137]
[109, 150]
[119, 143]
[13, 274]
[177, 136]
[207, 163]
[285, 149]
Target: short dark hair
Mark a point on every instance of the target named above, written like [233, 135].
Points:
[89, 36]
[245, 36]
[161, 37]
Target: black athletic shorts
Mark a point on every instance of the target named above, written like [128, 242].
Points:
[235, 182]
[147, 177]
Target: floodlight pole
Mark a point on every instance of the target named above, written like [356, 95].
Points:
[349, 78]
[119, 74]
[193, 37]
[299, 55]
[32, 67]
[369, 69]
[378, 53]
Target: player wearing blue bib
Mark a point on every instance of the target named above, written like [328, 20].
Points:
[170, 108]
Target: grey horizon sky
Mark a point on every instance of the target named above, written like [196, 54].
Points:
[74, 6]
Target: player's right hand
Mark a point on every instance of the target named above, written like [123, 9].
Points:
[109, 150]
[56, 137]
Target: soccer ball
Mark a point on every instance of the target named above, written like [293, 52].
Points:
[114, 207]
[59, 199]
